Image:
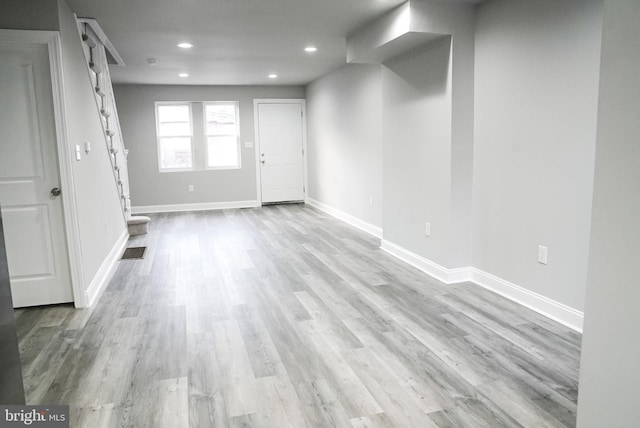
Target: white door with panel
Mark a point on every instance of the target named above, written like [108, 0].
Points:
[280, 136]
[29, 179]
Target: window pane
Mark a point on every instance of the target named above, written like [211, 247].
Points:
[175, 129]
[221, 119]
[178, 113]
[222, 151]
[175, 152]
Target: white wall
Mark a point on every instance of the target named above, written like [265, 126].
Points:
[536, 92]
[344, 126]
[100, 219]
[609, 377]
[136, 109]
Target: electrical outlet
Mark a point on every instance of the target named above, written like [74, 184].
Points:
[190, 187]
[542, 254]
[427, 229]
[370, 201]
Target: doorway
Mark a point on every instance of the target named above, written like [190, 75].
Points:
[30, 195]
[281, 150]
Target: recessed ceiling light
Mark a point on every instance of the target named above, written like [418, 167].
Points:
[185, 45]
[183, 75]
[273, 76]
[311, 49]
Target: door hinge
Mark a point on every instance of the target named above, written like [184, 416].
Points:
[301, 113]
[302, 152]
[304, 189]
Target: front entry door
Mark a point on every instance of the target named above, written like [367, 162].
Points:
[32, 215]
[281, 151]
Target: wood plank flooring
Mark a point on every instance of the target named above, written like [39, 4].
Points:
[282, 316]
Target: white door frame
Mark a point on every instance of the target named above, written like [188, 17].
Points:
[69, 212]
[256, 131]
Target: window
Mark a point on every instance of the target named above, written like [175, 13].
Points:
[221, 131]
[197, 136]
[175, 134]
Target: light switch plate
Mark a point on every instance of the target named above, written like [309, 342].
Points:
[542, 254]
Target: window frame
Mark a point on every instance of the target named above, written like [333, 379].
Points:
[236, 105]
[159, 104]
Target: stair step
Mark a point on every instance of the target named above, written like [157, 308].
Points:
[138, 225]
[105, 113]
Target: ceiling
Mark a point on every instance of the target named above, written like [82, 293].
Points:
[236, 42]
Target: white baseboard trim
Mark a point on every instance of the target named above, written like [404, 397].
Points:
[441, 273]
[106, 270]
[347, 218]
[149, 209]
[557, 311]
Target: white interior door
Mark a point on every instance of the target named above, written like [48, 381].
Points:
[29, 170]
[280, 135]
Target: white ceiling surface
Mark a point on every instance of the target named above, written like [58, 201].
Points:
[236, 42]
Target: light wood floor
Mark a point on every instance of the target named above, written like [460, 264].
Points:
[284, 317]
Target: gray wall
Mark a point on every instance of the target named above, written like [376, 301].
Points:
[426, 115]
[530, 163]
[536, 94]
[136, 109]
[29, 15]
[417, 150]
[100, 219]
[428, 137]
[456, 19]
[344, 126]
[609, 376]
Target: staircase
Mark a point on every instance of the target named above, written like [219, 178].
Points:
[98, 50]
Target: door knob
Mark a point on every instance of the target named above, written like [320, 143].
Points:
[262, 161]
[56, 191]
